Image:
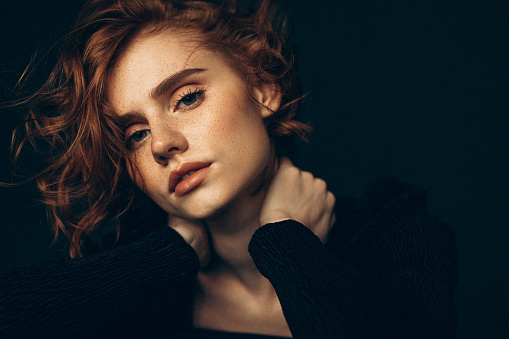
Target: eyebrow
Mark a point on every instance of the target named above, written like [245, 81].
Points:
[125, 119]
[170, 81]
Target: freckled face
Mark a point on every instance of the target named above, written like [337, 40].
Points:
[181, 105]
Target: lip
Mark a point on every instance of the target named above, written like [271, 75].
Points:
[182, 187]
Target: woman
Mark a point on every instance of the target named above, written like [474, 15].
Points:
[191, 101]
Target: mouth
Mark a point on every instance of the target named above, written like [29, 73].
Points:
[188, 176]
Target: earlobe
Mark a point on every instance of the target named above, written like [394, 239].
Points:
[269, 95]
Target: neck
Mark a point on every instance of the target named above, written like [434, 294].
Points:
[232, 230]
[230, 234]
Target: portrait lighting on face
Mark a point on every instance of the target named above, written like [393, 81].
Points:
[169, 126]
[198, 142]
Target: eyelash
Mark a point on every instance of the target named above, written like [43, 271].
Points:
[199, 92]
[130, 143]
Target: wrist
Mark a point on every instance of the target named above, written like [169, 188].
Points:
[275, 217]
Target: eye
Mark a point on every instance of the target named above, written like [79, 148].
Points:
[136, 138]
[190, 99]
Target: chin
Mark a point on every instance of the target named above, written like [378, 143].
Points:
[203, 215]
[199, 207]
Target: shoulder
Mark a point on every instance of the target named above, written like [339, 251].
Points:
[390, 213]
[382, 198]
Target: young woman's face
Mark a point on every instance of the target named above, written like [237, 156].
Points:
[198, 141]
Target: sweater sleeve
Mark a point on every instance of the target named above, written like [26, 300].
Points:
[396, 280]
[76, 297]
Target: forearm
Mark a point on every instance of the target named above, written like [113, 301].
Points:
[322, 297]
[76, 295]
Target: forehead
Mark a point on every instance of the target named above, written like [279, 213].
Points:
[148, 58]
[161, 49]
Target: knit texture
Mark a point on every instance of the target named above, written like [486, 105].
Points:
[98, 293]
[388, 270]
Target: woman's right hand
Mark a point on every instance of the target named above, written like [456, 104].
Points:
[298, 195]
[195, 234]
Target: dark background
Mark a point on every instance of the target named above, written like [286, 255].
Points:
[418, 89]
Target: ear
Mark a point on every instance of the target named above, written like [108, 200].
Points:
[269, 95]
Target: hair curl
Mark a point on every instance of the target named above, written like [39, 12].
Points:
[85, 182]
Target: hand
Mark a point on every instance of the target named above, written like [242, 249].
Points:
[195, 234]
[298, 195]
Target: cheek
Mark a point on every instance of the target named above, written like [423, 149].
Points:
[238, 121]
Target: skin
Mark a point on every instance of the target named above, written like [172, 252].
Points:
[207, 116]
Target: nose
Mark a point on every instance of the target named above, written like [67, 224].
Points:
[167, 142]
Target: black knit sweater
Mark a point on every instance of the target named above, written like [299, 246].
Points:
[388, 270]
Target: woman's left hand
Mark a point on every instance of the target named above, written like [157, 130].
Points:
[298, 195]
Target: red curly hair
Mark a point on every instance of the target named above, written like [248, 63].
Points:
[86, 182]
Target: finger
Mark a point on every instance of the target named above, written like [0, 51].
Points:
[332, 219]
[285, 165]
[284, 161]
[321, 185]
[331, 200]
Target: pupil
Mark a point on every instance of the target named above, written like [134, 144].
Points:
[138, 136]
[189, 99]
